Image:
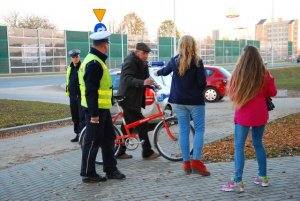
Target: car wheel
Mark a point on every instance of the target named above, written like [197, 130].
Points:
[168, 111]
[211, 94]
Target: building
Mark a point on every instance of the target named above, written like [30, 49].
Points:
[216, 35]
[283, 34]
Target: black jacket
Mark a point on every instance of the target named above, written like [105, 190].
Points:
[73, 86]
[92, 77]
[133, 74]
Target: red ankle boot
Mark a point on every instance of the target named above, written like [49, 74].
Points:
[187, 167]
[199, 167]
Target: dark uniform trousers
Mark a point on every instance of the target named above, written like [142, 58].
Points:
[98, 135]
[130, 116]
[77, 113]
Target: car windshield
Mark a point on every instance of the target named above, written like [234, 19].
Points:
[225, 72]
[161, 80]
[115, 81]
[167, 80]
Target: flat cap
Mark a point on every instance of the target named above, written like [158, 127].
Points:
[143, 47]
[100, 36]
[74, 52]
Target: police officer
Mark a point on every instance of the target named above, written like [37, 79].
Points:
[73, 91]
[96, 89]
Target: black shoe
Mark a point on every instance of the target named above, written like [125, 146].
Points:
[116, 174]
[75, 139]
[93, 179]
[151, 156]
[124, 156]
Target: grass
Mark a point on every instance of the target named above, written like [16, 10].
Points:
[16, 113]
[287, 78]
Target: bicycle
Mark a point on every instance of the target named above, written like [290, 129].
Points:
[166, 133]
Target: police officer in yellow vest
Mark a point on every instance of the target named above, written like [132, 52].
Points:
[96, 93]
[73, 91]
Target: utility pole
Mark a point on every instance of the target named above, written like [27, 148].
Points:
[272, 34]
[174, 29]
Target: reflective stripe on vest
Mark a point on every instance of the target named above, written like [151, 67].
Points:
[68, 80]
[105, 90]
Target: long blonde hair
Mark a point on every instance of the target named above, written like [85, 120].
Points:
[248, 77]
[187, 51]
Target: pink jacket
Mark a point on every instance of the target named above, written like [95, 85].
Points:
[255, 112]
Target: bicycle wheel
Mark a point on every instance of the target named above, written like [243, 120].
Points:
[117, 146]
[166, 146]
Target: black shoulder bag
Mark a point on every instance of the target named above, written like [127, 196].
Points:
[270, 104]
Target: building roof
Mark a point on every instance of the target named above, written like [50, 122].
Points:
[262, 21]
[291, 21]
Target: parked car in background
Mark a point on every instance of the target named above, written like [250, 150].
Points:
[217, 79]
[298, 59]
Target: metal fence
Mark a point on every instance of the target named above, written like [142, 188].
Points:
[40, 50]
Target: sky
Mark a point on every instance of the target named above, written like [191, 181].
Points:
[195, 17]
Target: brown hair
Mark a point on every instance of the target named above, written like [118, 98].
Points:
[248, 77]
[187, 51]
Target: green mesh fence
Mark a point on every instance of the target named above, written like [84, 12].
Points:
[77, 40]
[115, 52]
[166, 48]
[4, 64]
[228, 51]
[290, 48]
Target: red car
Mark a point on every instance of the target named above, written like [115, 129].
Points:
[217, 78]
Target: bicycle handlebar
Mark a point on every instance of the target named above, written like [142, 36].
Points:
[153, 86]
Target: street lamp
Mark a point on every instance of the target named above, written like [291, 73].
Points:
[174, 28]
[272, 27]
[232, 13]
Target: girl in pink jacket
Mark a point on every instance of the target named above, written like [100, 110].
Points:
[248, 88]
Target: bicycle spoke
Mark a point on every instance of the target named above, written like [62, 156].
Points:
[167, 147]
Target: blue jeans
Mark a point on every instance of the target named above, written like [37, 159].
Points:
[184, 114]
[240, 136]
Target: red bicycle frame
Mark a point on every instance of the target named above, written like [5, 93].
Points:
[127, 127]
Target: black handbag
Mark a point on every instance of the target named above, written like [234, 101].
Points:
[270, 104]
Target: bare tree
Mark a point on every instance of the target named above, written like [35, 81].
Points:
[13, 19]
[132, 24]
[166, 28]
[112, 26]
[35, 22]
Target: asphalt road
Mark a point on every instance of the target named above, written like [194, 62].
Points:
[31, 81]
[45, 88]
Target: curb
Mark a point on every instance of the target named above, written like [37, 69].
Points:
[35, 125]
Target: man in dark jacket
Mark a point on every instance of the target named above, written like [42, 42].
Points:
[73, 91]
[134, 77]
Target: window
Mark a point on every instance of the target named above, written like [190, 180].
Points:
[209, 72]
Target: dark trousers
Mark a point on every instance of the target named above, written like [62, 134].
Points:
[98, 135]
[77, 113]
[132, 116]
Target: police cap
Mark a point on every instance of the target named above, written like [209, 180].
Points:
[74, 52]
[101, 36]
[143, 47]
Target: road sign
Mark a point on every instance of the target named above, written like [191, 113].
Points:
[99, 13]
[100, 27]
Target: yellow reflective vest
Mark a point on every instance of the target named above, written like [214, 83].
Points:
[105, 90]
[68, 80]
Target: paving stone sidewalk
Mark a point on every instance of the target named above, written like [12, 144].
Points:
[57, 178]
